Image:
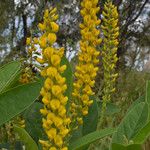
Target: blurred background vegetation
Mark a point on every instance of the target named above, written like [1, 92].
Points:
[19, 19]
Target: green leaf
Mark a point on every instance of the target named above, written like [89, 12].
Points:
[90, 121]
[134, 121]
[33, 120]
[90, 138]
[25, 138]
[142, 135]
[9, 74]
[129, 147]
[16, 100]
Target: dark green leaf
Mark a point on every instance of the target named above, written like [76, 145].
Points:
[16, 100]
[142, 135]
[134, 121]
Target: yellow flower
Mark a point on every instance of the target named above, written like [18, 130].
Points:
[55, 104]
[48, 84]
[58, 121]
[43, 42]
[56, 90]
[62, 111]
[58, 140]
[28, 41]
[55, 60]
[52, 133]
[41, 61]
[48, 52]
[53, 148]
[54, 27]
[52, 72]
[62, 68]
[52, 38]
[41, 26]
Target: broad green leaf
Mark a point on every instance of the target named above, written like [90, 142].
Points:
[16, 100]
[129, 147]
[90, 121]
[30, 144]
[33, 120]
[142, 135]
[90, 138]
[8, 75]
[134, 121]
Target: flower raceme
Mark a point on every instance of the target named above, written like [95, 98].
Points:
[55, 119]
[86, 69]
[109, 52]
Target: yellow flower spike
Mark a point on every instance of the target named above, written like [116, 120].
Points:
[86, 69]
[55, 118]
[109, 53]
